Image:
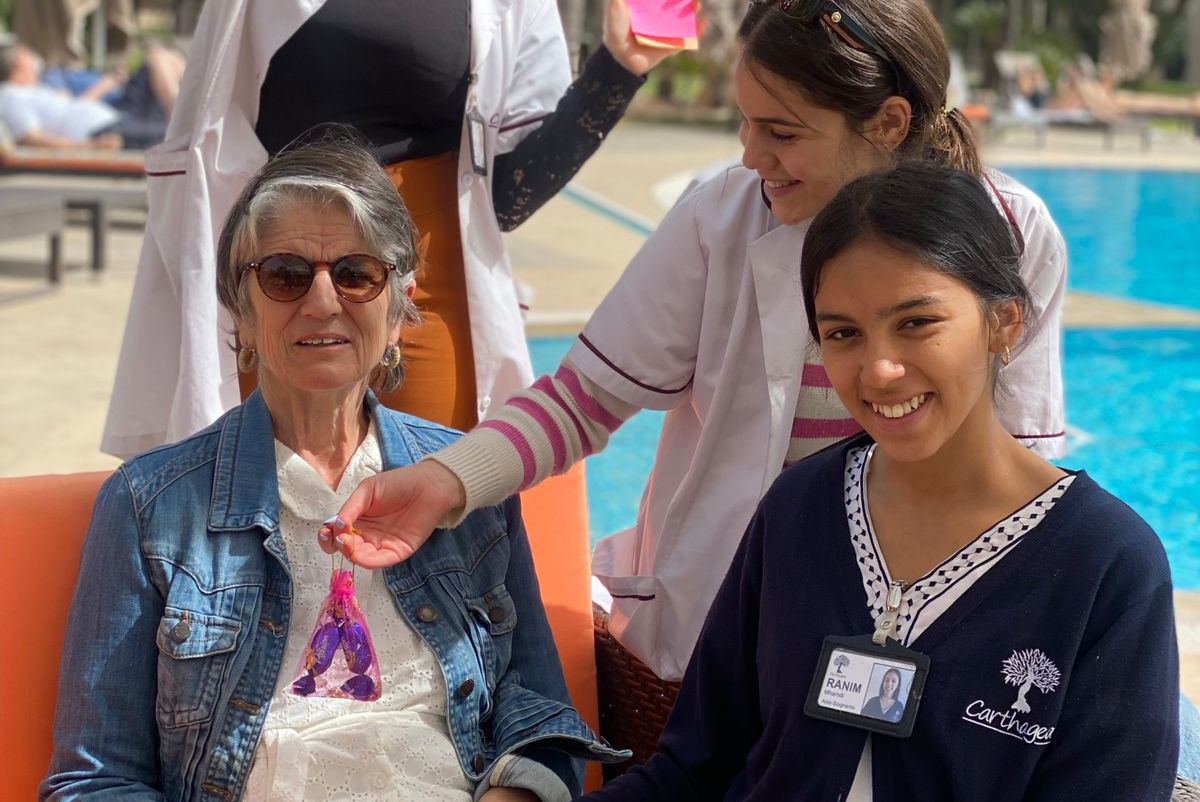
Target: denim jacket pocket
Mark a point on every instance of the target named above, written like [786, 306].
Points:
[495, 610]
[194, 652]
[495, 616]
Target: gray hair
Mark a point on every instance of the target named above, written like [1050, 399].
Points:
[331, 170]
[8, 59]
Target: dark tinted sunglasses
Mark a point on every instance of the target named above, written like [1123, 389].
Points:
[286, 277]
[836, 18]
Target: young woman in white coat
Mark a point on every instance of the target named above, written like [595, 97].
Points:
[471, 110]
[707, 323]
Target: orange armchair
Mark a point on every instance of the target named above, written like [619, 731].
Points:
[52, 513]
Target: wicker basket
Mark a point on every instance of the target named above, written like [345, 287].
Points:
[1185, 791]
[634, 702]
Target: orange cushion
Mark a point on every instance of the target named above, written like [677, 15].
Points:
[53, 511]
[51, 514]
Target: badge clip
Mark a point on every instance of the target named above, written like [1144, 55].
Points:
[475, 140]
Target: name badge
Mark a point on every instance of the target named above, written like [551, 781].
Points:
[475, 125]
[876, 688]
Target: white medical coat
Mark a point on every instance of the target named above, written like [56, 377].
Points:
[176, 373]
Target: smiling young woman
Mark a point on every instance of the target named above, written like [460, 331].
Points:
[941, 562]
[914, 317]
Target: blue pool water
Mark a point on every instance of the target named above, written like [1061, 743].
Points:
[1133, 396]
[1130, 233]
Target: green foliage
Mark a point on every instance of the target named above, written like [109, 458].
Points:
[1054, 49]
[684, 87]
[1170, 45]
[984, 18]
[1073, 26]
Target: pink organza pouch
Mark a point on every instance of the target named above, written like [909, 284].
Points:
[339, 660]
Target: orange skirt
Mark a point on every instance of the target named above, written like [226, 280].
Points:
[439, 363]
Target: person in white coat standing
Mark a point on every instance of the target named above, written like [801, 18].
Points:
[707, 323]
[472, 111]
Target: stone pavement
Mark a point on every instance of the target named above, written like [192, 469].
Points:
[63, 343]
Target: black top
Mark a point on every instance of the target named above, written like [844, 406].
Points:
[403, 85]
[345, 63]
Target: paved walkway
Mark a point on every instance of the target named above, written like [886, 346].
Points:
[63, 344]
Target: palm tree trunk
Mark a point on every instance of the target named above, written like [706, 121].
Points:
[1192, 69]
[1013, 30]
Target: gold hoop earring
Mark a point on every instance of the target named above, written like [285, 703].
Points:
[391, 357]
[1007, 358]
[247, 360]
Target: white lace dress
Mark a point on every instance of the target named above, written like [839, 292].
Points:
[396, 748]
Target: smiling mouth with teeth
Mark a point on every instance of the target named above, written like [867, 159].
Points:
[899, 410]
[323, 341]
[780, 184]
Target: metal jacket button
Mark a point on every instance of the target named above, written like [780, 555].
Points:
[180, 632]
[427, 613]
[496, 614]
[464, 690]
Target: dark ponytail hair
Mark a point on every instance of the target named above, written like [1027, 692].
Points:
[831, 74]
[941, 217]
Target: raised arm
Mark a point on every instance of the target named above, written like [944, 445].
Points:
[541, 164]
[540, 431]
[645, 334]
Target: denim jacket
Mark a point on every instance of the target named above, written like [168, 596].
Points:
[176, 633]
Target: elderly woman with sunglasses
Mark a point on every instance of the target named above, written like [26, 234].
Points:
[201, 579]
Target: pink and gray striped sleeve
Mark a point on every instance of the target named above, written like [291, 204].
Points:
[539, 432]
[821, 419]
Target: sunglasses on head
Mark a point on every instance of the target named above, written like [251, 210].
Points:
[286, 277]
[836, 18]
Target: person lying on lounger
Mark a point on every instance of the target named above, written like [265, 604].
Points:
[41, 115]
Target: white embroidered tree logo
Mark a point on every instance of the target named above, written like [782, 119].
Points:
[1030, 668]
[840, 662]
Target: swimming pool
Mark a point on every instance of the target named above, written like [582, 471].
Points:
[1130, 233]
[1133, 395]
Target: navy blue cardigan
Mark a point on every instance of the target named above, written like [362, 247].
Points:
[1089, 587]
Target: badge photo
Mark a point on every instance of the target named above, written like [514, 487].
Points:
[876, 688]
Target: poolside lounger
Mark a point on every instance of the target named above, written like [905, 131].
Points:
[16, 158]
[1092, 106]
[22, 216]
[112, 163]
[93, 200]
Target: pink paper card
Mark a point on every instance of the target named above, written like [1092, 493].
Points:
[663, 19]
